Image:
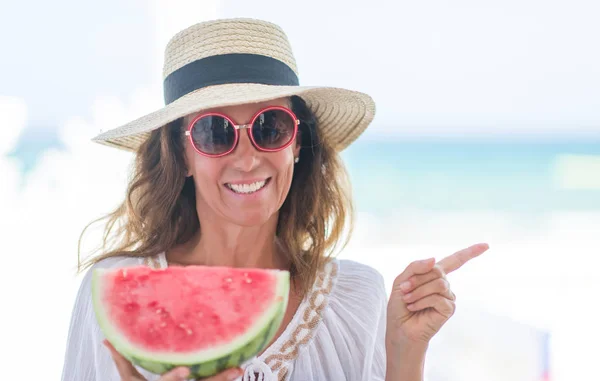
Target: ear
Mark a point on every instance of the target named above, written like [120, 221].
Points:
[298, 144]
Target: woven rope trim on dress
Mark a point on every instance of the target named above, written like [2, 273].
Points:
[317, 301]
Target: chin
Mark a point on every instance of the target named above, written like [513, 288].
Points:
[249, 219]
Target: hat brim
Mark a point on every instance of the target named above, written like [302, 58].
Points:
[342, 115]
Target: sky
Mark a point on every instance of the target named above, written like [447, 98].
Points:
[437, 68]
[453, 65]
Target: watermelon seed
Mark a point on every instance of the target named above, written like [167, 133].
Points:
[124, 273]
[163, 324]
[160, 310]
[248, 280]
[185, 328]
[228, 280]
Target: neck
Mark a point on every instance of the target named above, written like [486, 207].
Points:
[227, 244]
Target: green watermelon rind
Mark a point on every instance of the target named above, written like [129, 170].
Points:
[203, 363]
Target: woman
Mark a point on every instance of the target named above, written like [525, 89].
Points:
[242, 168]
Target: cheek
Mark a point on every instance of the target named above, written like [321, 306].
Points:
[205, 171]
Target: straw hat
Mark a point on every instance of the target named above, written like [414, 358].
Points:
[235, 61]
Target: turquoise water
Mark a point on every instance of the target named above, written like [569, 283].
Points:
[443, 176]
[394, 175]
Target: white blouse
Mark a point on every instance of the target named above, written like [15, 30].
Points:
[337, 332]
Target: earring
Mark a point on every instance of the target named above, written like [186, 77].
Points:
[296, 160]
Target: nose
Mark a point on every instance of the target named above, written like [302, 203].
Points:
[245, 157]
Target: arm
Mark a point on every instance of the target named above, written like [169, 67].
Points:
[86, 358]
[405, 363]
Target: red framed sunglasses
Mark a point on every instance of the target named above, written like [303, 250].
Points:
[271, 129]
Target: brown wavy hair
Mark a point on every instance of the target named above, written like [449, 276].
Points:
[159, 211]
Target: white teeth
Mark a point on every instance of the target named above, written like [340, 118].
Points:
[247, 188]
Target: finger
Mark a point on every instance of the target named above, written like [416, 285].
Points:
[226, 375]
[456, 260]
[126, 370]
[438, 286]
[176, 374]
[416, 267]
[442, 305]
[420, 279]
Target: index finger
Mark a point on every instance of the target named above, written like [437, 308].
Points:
[176, 374]
[456, 260]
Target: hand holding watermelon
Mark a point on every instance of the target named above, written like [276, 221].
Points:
[422, 301]
[128, 372]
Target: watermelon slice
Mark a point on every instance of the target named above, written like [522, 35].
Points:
[204, 317]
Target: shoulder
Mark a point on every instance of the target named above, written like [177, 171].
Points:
[120, 262]
[352, 268]
[359, 276]
[358, 290]
[117, 262]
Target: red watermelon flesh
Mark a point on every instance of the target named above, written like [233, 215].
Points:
[189, 315]
[181, 310]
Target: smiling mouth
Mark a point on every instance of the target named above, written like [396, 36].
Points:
[248, 188]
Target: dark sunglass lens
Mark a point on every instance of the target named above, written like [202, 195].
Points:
[273, 129]
[213, 135]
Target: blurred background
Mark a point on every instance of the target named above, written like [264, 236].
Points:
[487, 130]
